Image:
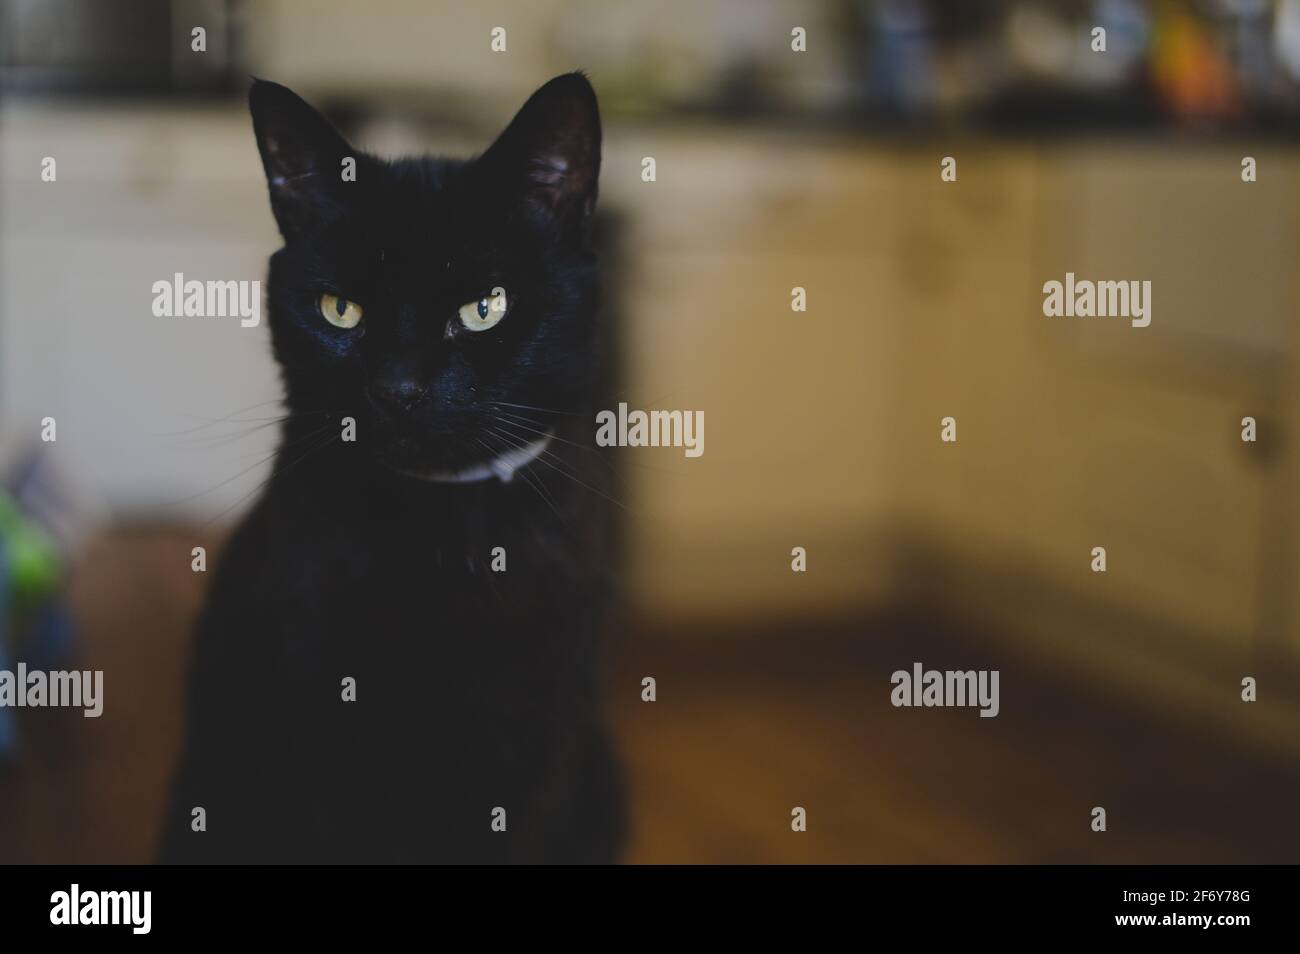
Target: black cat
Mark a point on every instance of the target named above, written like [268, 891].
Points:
[436, 325]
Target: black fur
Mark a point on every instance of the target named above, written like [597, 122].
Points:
[475, 689]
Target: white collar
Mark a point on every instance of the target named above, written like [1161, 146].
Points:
[502, 467]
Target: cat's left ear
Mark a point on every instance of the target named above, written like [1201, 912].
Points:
[551, 149]
[303, 158]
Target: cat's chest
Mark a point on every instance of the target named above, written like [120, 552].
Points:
[433, 636]
[414, 588]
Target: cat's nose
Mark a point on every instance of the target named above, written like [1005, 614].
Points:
[395, 393]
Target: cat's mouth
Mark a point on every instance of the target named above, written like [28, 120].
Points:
[500, 467]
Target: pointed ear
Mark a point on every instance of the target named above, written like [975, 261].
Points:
[551, 151]
[303, 158]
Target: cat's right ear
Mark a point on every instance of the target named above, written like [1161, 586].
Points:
[303, 158]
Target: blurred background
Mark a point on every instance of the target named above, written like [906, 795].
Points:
[775, 169]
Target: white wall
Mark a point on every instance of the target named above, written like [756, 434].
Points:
[140, 194]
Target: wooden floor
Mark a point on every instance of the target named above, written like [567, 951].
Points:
[749, 722]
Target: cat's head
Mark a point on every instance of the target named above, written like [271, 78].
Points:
[427, 298]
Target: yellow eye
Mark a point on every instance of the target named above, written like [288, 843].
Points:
[340, 312]
[482, 314]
